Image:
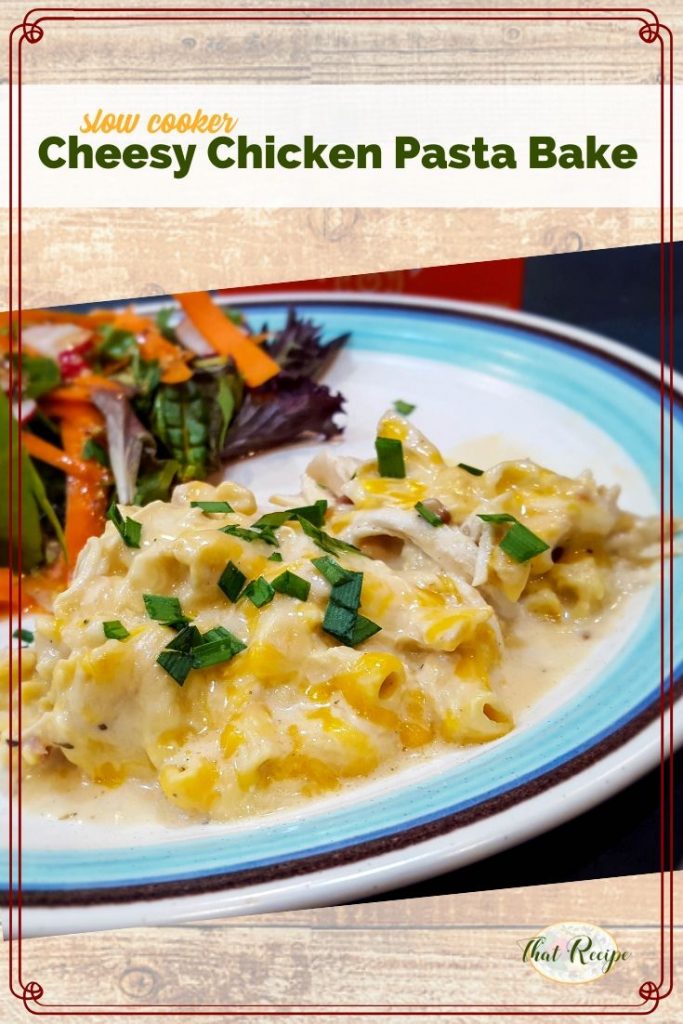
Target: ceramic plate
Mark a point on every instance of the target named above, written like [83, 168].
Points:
[527, 387]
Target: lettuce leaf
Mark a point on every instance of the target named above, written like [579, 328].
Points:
[34, 502]
[283, 410]
[191, 419]
[299, 348]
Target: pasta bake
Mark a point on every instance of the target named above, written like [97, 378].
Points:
[235, 659]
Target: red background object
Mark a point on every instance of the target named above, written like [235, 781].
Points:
[499, 282]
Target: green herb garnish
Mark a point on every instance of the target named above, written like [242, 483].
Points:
[191, 649]
[427, 514]
[347, 626]
[311, 513]
[231, 581]
[215, 633]
[244, 533]
[470, 469]
[259, 592]
[187, 638]
[178, 664]
[520, 543]
[130, 530]
[25, 635]
[275, 557]
[222, 646]
[342, 620]
[165, 610]
[212, 506]
[292, 585]
[115, 630]
[390, 461]
[324, 541]
[404, 408]
[346, 584]
[331, 570]
[363, 630]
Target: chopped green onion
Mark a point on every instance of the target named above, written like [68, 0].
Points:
[339, 622]
[244, 533]
[178, 664]
[347, 592]
[259, 592]
[215, 633]
[187, 638]
[427, 514]
[363, 630]
[231, 581]
[520, 543]
[390, 461]
[212, 506]
[292, 585]
[404, 408]
[312, 513]
[324, 541]
[115, 630]
[25, 635]
[216, 651]
[275, 557]
[347, 626]
[166, 610]
[341, 619]
[331, 570]
[497, 517]
[130, 530]
[93, 450]
[470, 469]
[272, 520]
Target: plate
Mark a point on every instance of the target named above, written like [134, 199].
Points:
[529, 386]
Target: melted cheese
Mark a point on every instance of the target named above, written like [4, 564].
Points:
[296, 712]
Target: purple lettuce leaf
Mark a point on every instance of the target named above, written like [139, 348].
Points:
[287, 408]
[300, 350]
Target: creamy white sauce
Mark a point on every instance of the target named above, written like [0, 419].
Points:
[539, 653]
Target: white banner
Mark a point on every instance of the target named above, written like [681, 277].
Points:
[270, 146]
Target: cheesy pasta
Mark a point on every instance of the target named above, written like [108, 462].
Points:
[231, 652]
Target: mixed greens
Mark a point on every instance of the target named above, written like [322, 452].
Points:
[110, 408]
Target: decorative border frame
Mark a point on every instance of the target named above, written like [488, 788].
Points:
[650, 30]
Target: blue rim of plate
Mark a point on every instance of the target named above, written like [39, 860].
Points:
[75, 889]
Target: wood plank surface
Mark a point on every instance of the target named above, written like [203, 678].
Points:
[451, 950]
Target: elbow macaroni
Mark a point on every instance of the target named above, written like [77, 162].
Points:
[296, 712]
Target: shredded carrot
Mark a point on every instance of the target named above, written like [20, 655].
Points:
[176, 373]
[42, 450]
[9, 587]
[33, 591]
[86, 498]
[172, 358]
[51, 316]
[255, 365]
[129, 320]
[83, 386]
[61, 408]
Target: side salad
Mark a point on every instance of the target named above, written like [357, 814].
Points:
[117, 407]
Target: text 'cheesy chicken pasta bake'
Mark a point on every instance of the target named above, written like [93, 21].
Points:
[236, 660]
